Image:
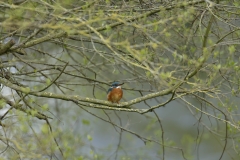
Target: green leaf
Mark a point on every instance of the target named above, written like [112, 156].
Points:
[48, 81]
[25, 90]
[2, 103]
[89, 137]
[45, 107]
[33, 112]
[231, 49]
[44, 128]
[85, 122]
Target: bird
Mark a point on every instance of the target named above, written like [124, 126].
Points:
[115, 93]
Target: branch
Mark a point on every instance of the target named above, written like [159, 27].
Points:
[40, 40]
[105, 104]
[19, 107]
[77, 98]
[5, 47]
[175, 5]
[54, 79]
[159, 105]
[94, 103]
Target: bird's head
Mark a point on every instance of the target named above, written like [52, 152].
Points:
[115, 85]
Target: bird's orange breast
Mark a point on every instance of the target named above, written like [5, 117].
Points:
[115, 95]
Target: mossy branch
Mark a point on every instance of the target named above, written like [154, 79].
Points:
[40, 40]
[4, 48]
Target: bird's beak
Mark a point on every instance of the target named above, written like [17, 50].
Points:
[121, 84]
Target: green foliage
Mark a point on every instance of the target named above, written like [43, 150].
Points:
[231, 49]
[48, 81]
[45, 107]
[2, 103]
[89, 137]
[44, 128]
[85, 122]
[25, 90]
[188, 143]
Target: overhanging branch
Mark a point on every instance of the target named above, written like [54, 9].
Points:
[96, 103]
[175, 5]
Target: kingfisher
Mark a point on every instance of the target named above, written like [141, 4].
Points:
[115, 93]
